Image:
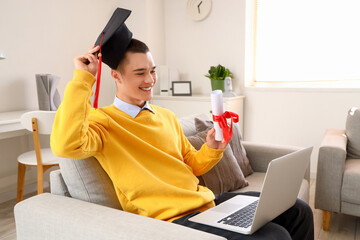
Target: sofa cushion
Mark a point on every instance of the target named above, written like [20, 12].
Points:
[350, 209]
[187, 124]
[86, 180]
[202, 123]
[57, 184]
[351, 182]
[255, 181]
[226, 175]
[353, 133]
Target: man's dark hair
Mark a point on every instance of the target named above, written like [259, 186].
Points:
[135, 46]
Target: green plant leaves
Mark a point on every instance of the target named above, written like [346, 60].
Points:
[218, 73]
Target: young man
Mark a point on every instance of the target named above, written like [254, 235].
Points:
[142, 147]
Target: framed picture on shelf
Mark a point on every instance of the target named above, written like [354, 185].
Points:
[181, 88]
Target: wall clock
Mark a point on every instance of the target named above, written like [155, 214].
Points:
[198, 9]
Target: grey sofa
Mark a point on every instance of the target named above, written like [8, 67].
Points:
[338, 177]
[83, 204]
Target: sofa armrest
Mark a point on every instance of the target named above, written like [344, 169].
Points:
[49, 216]
[260, 155]
[330, 170]
[57, 184]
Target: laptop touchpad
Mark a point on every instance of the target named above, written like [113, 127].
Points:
[225, 208]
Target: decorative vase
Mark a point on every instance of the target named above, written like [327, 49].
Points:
[217, 85]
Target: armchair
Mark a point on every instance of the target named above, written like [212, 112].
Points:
[338, 171]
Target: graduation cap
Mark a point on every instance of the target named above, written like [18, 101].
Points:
[113, 42]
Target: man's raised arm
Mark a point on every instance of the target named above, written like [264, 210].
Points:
[74, 134]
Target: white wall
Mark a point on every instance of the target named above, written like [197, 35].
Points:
[297, 117]
[43, 36]
[272, 115]
[192, 47]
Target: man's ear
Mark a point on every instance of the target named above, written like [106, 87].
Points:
[116, 75]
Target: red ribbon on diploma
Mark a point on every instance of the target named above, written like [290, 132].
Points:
[221, 119]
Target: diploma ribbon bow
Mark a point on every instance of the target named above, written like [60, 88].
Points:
[221, 119]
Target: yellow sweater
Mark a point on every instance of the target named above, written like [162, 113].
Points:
[151, 163]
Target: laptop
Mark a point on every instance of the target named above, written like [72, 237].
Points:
[246, 214]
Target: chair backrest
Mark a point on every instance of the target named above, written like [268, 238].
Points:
[45, 120]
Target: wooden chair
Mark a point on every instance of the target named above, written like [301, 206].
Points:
[39, 122]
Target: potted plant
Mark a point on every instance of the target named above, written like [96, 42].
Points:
[217, 76]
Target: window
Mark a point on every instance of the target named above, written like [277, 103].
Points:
[307, 40]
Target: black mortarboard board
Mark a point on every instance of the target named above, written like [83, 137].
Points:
[113, 42]
[116, 38]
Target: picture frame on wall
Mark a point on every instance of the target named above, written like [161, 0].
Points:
[181, 88]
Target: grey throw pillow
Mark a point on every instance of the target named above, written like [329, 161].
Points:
[226, 175]
[353, 133]
[201, 123]
[86, 180]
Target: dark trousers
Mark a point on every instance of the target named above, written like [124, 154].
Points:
[296, 223]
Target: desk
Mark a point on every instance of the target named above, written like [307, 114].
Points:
[10, 125]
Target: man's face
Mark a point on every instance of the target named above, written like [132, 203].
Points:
[136, 78]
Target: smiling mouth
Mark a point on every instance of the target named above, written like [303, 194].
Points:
[146, 89]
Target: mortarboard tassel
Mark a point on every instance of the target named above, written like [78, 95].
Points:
[98, 76]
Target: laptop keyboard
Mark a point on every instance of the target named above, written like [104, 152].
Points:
[242, 218]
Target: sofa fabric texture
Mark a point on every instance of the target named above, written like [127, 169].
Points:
[57, 184]
[51, 217]
[338, 169]
[338, 173]
[351, 182]
[353, 133]
[86, 180]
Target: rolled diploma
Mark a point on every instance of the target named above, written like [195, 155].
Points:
[217, 109]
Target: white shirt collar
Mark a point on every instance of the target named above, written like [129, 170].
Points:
[131, 109]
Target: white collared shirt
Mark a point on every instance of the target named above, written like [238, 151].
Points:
[131, 109]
